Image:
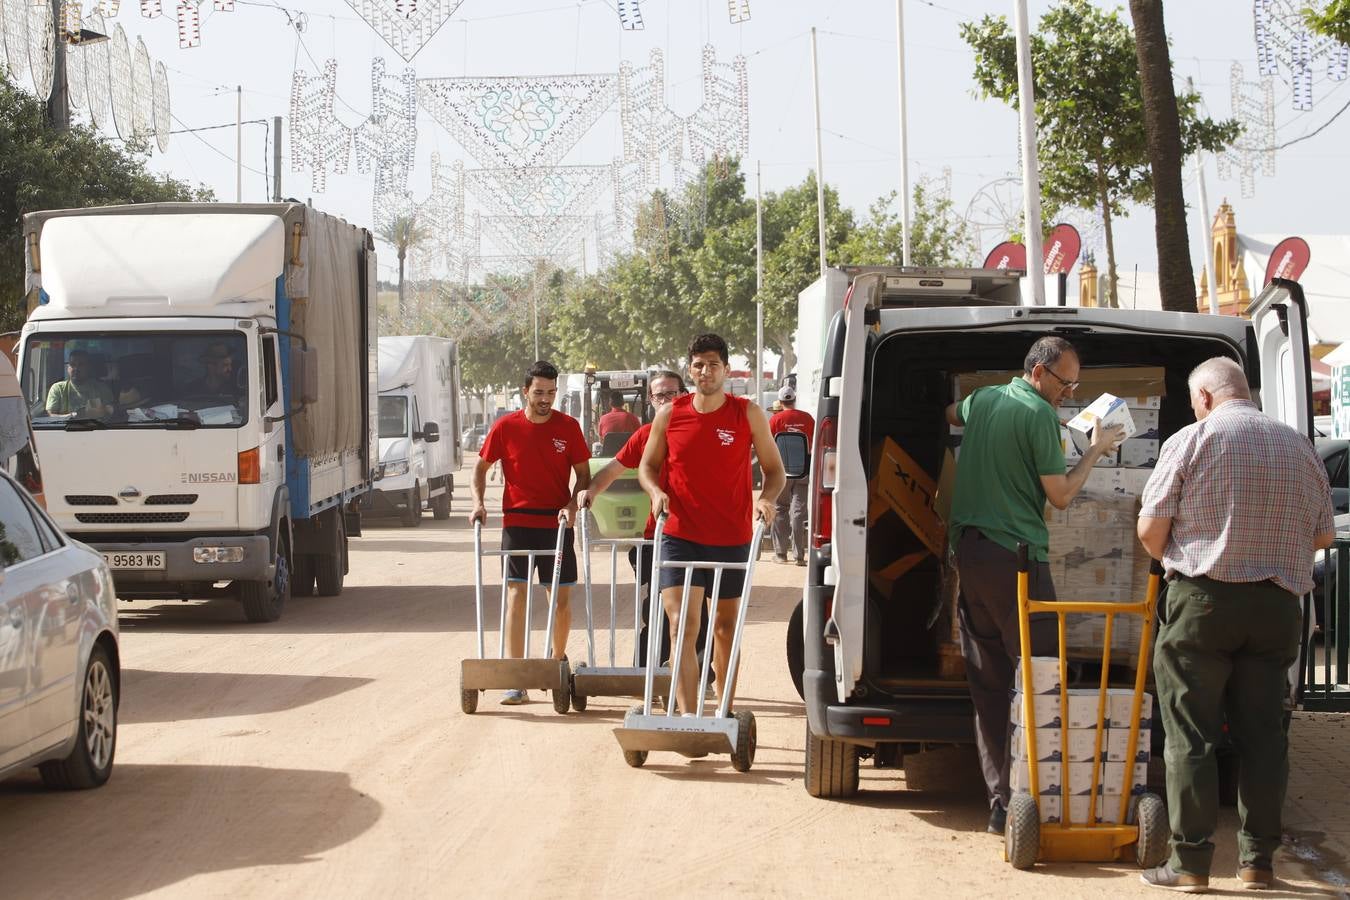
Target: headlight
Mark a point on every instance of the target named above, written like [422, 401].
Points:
[394, 467]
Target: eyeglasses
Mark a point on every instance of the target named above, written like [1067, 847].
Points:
[666, 395]
[1071, 385]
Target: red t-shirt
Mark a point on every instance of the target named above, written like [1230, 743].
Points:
[620, 420]
[794, 420]
[629, 457]
[707, 472]
[537, 461]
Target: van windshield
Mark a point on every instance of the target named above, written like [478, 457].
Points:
[393, 417]
[129, 380]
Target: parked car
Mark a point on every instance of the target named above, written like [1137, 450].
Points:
[60, 677]
[472, 438]
[1334, 453]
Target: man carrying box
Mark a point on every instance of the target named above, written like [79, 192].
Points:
[1234, 510]
[1012, 461]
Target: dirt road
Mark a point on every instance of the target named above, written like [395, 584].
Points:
[326, 755]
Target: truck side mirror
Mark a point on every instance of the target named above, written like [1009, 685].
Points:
[792, 448]
[431, 432]
[305, 374]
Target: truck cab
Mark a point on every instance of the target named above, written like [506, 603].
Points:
[875, 676]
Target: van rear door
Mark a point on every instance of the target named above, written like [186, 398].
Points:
[1280, 319]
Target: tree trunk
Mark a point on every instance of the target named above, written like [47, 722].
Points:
[787, 361]
[1112, 298]
[1162, 124]
[402, 307]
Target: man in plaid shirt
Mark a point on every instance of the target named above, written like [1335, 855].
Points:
[1234, 509]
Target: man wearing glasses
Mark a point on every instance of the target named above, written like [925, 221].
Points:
[1012, 462]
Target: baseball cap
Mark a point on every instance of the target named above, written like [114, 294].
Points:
[787, 394]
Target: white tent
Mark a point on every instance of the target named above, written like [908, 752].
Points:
[1326, 282]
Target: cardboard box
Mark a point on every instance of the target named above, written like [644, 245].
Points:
[1108, 808]
[1050, 808]
[1119, 704]
[1044, 675]
[912, 493]
[1146, 423]
[1048, 744]
[1106, 410]
[1139, 453]
[1117, 745]
[1081, 776]
[1083, 707]
[1048, 773]
[1082, 742]
[1045, 710]
[1140, 386]
[966, 383]
[1114, 778]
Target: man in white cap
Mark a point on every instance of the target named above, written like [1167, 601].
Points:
[792, 501]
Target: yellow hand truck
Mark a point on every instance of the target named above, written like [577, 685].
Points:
[1026, 840]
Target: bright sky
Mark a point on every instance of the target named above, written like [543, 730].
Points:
[255, 47]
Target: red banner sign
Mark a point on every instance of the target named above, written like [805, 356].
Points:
[1288, 260]
[1007, 255]
[1061, 248]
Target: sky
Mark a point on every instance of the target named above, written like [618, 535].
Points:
[949, 127]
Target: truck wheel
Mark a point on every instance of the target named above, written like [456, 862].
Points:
[796, 648]
[329, 568]
[264, 601]
[440, 506]
[302, 575]
[411, 516]
[831, 767]
[91, 760]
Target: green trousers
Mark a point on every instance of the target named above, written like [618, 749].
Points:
[1223, 655]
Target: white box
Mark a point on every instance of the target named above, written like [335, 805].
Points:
[1139, 453]
[1113, 778]
[1048, 748]
[1046, 710]
[1044, 675]
[1082, 742]
[1153, 401]
[1080, 778]
[1107, 409]
[1118, 743]
[1145, 423]
[1083, 705]
[1050, 809]
[1119, 703]
[1048, 773]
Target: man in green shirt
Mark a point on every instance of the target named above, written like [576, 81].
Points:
[81, 394]
[1012, 461]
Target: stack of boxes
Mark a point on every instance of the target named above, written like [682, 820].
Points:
[1052, 723]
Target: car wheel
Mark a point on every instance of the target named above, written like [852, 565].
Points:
[91, 761]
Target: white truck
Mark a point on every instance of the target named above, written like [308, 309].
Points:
[419, 428]
[201, 378]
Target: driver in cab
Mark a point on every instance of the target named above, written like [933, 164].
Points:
[81, 393]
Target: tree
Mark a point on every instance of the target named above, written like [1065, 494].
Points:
[43, 168]
[1090, 132]
[937, 235]
[1333, 21]
[403, 233]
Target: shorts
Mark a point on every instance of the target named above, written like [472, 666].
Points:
[675, 549]
[644, 577]
[518, 537]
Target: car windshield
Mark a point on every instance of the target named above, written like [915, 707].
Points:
[393, 417]
[130, 380]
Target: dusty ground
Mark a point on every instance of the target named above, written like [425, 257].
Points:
[326, 755]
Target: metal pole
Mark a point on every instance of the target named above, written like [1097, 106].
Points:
[759, 286]
[820, 170]
[904, 133]
[58, 101]
[276, 159]
[1031, 178]
[239, 144]
[1207, 252]
[534, 309]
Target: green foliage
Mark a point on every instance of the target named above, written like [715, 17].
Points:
[937, 235]
[41, 168]
[1091, 143]
[1333, 21]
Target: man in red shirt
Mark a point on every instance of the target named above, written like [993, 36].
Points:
[792, 502]
[664, 387]
[539, 449]
[618, 419]
[696, 469]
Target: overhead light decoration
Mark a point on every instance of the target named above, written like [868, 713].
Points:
[122, 91]
[319, 142]
[1254, 108]
[386, 142]
[1284, 43]
[630, 15]
[189, 17]
[405, 25]
[163, 113]
[151, 9]
[96, 59]
[739, 11]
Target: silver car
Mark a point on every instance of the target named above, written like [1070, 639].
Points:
[59, 672]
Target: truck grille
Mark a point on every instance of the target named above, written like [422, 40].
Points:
[131, 518]
[171, 500]
[90, 500]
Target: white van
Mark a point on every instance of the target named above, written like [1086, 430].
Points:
[873, 678]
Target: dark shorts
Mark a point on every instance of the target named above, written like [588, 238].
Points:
[675, 549]
[644, 575]
[516, 537]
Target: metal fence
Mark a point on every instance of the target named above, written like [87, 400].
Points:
[1324, 654]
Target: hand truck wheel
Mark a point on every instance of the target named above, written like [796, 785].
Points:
[468, 701]
[578, 700]
[743, 757]
[1022, 835]
[1153, 846]
[562, 696]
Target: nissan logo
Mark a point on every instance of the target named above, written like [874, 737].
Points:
[128, 494]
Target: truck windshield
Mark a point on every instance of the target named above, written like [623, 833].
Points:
[135, 380]
[393, 417]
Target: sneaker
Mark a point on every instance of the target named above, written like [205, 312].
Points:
[780, 558]
[800, 561]
[1256, 878]
[998, 820]
[515, 698]
[1165, 877]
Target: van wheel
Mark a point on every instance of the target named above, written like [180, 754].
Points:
[91, 761]
[264, 601]
[796, 648]
[329, 568]
[831, 767]
[411, 516]
[440, 505]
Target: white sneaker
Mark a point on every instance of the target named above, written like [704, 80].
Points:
[515, 698]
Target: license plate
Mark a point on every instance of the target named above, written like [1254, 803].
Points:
[134, 560]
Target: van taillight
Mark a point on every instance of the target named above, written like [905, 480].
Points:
[822, 512]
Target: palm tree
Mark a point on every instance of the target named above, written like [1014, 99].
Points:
[403, 233]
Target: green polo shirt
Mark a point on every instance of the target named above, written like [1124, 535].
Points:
[1011, 439]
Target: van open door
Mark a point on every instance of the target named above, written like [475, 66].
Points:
[848, 537]
[1280, 319]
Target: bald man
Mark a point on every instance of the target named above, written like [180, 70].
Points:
[1234, 510]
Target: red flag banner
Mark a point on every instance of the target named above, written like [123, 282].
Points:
[1007, 255]
[1062, 248]
[1288, 260]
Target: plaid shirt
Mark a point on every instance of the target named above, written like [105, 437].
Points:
[1246, 495]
